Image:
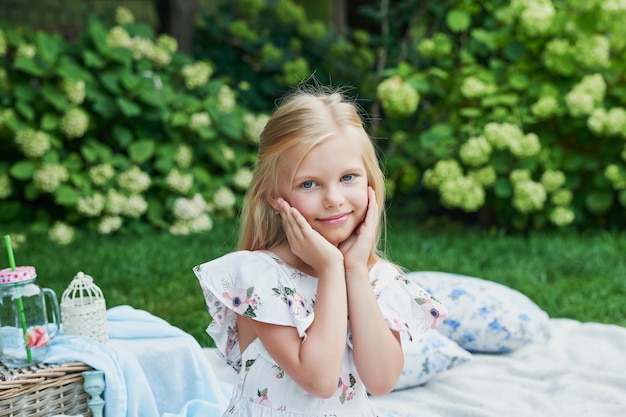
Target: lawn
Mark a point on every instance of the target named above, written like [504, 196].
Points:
[575, 275]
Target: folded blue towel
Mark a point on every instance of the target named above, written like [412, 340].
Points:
[151, 368]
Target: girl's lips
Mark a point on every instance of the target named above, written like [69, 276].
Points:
[335, 220]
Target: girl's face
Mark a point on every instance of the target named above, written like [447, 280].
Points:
[329, 187]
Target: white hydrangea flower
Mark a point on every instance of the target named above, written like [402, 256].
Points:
[33, 143]
[184, 156]
[49, 177]
[5, 186]
[74, 123]
[226, 99]
[485, 176]
[545, 107]
[501, 135]
[462, 192]
[197, 75]
[167, 42]
[528, 196]
[443, 170]
[593, 51]
[91, 206]
[552, 180]
[179, 182]
[475, 152]
[26, 50]
[597, 120]
[474, 87]
[199, 120]
[74, 90]
[586, 95]
[228, 153]
[616, 175]
[61, 233]
[398, 99]
[224, 199]
[537, 17]
[242, 178]
[255, 125]
[615, 122]
[135, 206]
[109, 224]
[101, 174]
[134, 180]
[562, 197]
[562, 216]
[189, 208]
[519, 175]
[123, 15]
[118, 37]
[115, 202]
[525, 145]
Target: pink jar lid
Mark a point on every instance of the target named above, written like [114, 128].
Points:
[21, 273]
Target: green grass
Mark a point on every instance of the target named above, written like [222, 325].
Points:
[575, 275]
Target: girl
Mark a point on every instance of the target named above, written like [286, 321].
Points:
[308, 311]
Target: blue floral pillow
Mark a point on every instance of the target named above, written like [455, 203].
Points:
[483, 316]
[431, 355]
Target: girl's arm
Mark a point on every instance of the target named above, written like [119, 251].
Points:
[377, 349]
[315, 362]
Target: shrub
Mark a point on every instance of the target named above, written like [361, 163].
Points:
[522, 114]
[117, 129]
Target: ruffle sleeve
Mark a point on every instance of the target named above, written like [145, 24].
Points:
[405, 306]
[255, 285]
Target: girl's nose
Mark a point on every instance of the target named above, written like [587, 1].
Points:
[333, 197]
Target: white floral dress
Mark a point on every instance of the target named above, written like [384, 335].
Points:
[261, 286]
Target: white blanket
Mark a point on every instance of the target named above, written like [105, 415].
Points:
[579, 371]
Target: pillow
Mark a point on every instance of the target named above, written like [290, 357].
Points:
[483, 316]
[431, 355]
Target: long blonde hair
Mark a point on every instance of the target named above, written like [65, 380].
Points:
[306, 117]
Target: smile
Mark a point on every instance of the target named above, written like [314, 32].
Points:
[335, 220]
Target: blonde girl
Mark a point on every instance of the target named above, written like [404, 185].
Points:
[308, 311]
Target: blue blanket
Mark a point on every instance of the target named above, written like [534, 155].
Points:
[151, 368]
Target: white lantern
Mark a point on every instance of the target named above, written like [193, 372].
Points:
[83, 309]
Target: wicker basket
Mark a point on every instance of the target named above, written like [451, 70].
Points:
[43, 390]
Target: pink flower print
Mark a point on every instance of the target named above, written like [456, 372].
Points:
[37, 337]
[345, 387]
[296, 304]
[431, 313]
[262, 398]
[238, 298]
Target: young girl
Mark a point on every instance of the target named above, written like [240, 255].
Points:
[308, 312]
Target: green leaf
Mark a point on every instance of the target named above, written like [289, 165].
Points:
[49, 46]
[110, 82]
[66, 195]
[514, 50]
[127, 107]
[458, 20]
[141, 151]
[55, 97]
[471, 112]
[130, 81]
[23, 170]
[433, 136]
[28, 66]
[25, 110]
[484, 37]
[123, 135]
[49, 122]
[92, 59]
[24, 92]
[98, 35]
[10, 210]
[502, 188]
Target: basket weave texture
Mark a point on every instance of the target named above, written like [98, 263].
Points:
[43, 390]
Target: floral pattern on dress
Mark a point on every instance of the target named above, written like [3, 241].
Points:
[345, 387]
[244, 301]
[295, 301]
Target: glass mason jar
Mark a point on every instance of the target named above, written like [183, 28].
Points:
[25, 335]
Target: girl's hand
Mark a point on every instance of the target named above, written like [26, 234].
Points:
[305, 242]
[357, 248]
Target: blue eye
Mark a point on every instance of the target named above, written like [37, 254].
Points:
[307, 184]
[347, 177]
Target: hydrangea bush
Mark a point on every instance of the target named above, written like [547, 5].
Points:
[512, 111]
[116, 132]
